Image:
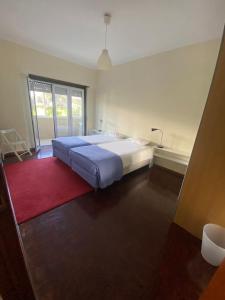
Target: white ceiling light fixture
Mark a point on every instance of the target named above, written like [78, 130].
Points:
[104, 62]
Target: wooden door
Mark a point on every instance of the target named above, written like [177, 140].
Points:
[202, 197]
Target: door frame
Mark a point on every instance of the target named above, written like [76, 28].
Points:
[37, 147]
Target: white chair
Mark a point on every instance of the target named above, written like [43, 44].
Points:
[11, 141]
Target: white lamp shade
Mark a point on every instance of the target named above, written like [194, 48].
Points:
[104, 61]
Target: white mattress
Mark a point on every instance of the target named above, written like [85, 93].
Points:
[131, 153]
[99, 138]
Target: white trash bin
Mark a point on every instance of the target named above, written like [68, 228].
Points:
[213, 244]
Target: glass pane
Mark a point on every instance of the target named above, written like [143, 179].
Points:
[44, 104]
[60, 90]
[61, 103]
[40, 86]
[44, 109]
[77, 115]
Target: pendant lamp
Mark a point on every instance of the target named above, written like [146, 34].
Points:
[104, 62]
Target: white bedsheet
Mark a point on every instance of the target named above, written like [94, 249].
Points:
[131, 153]
[99, 138]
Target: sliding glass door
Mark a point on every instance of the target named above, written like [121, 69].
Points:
[57, 110]
[77, 111]
[62, 111]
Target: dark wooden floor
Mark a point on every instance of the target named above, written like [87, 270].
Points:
[118, 243]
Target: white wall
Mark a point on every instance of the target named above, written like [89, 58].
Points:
[167, 91]
[16, 62]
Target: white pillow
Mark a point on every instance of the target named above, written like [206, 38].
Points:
[139, 141]
[117, 134]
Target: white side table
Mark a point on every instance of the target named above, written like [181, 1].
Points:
[172, 159]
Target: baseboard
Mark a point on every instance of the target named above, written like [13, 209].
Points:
[171, 165]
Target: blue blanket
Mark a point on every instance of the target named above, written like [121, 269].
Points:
[97, 166]
[68, 142]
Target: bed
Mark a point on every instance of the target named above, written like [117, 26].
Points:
[62, 145]
[101, 165]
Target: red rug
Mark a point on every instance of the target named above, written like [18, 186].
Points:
[39, 185]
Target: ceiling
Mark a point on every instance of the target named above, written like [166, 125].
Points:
[74, 29]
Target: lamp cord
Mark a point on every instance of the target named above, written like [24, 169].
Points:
[105, 35]
[161, 137]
